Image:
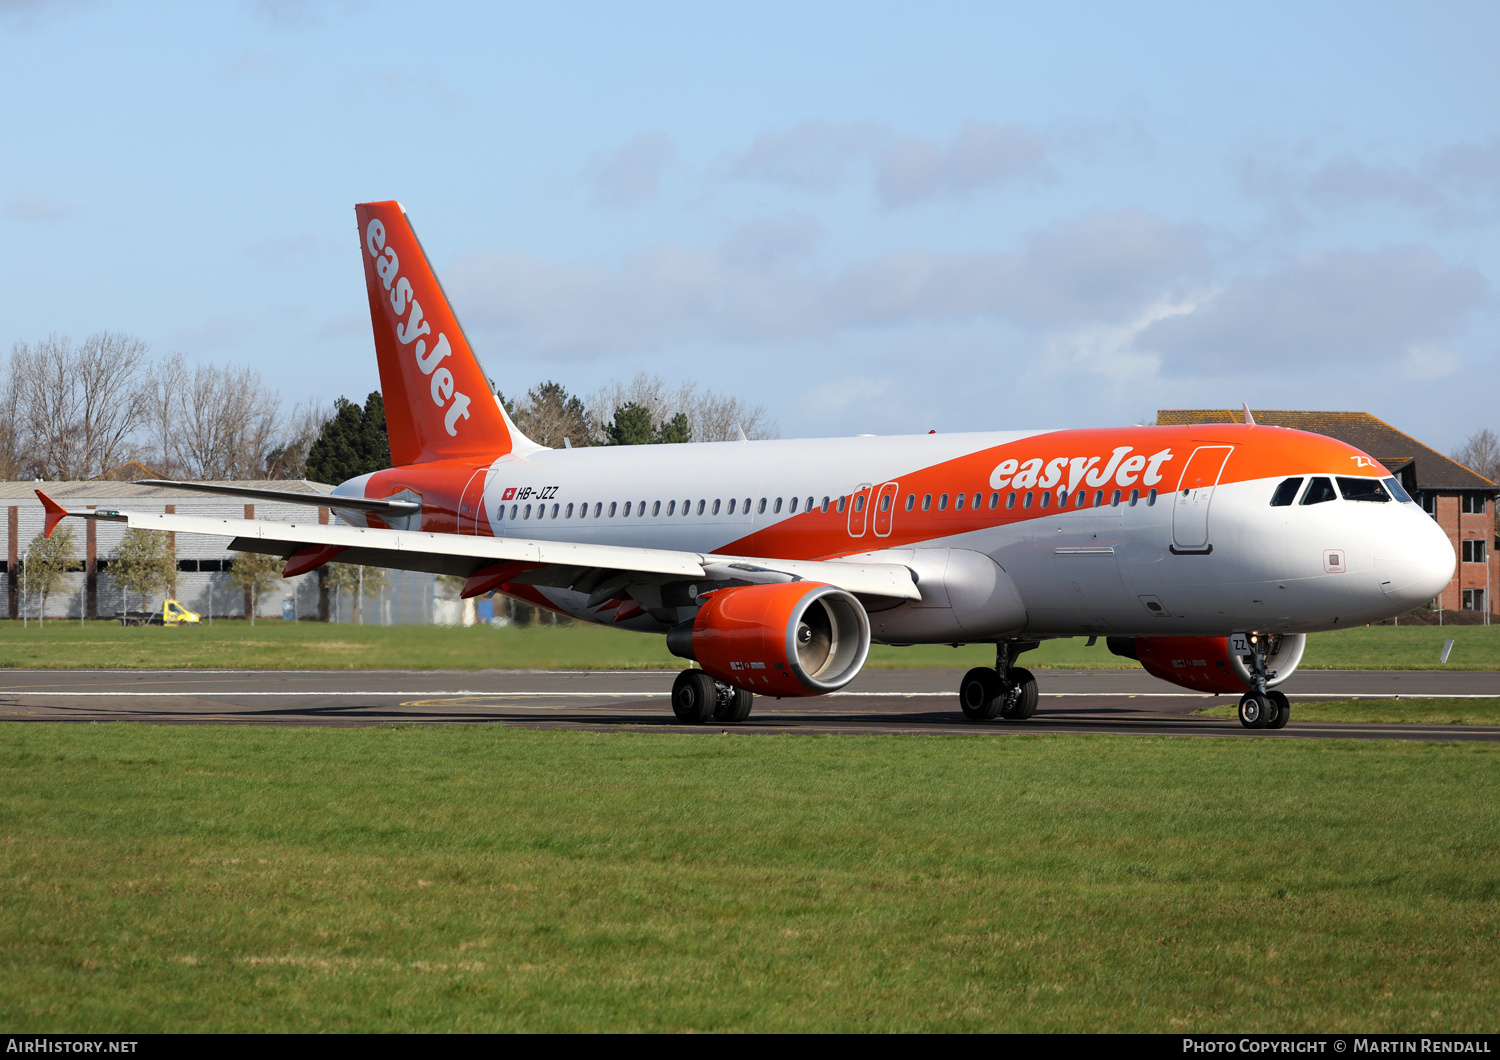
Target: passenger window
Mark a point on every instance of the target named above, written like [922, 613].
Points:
[1114, 501]
[762, 508]
[528, 512]
[943, 503]
[1151, 499]
[792, 508]
[885, 503]
[808, 506]
[1010, 501]
[513, 511]
[977, 499]
[1397, 492]
[656, 509]
[926, 501]
[671, 506]
[1098, 498]
[716, 507]
[1286, 493]
[1362, 489]
[612, 509]
[1026, 500]
[842, 504]
[994, 501]
[731, 505]
[687, 507]
[958, 503]
[600, 506]
[825, 504]
[1046, 499]
[1135, 495]
[640, 509]
[1062, 499]
[776, 508]
[911, 501]
[704, 504]
[1318, 491]
[746, 507]
[570, 511]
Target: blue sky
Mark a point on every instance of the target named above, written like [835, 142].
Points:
[871, 218]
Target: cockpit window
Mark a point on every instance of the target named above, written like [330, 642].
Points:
[1397, 492]
[1318, 491]
[1363, 489]
[1286, 493]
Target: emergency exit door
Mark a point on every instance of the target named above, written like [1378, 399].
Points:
[1195, 494]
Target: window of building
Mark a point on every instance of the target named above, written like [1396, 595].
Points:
[1473, 551]
[1473, 599]
[1472, 504]
[1286, 493]
[1429, 504]
[926, 502]
[1319, 490]
[911, 501]
[1362, 489]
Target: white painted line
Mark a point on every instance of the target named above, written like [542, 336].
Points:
[207, 693]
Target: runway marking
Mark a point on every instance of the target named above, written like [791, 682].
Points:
[201, 693]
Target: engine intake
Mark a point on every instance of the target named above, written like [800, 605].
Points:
[791, 639]
[1206, 664]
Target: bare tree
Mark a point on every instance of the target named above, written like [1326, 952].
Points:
[161, 398]
[1480, 453]
[79, 405]
[15, 448]
[712, 417]
[289, 458]
[227, 424]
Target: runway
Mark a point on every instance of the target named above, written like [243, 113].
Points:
[877, 702]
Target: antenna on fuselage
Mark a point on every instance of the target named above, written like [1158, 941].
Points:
[1249, 419]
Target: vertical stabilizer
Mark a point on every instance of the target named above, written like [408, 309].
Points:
[438, 403]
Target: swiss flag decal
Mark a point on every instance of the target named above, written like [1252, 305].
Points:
[509, 494]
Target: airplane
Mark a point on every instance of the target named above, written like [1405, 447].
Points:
[1205, 552]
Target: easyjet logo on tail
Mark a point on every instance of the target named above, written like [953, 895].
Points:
[416, 330]
[1123, 467]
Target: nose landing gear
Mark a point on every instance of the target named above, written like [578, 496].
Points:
[1006, 691]
[1262, 708]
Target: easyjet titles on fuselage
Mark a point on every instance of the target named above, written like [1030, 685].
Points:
[1080, 470]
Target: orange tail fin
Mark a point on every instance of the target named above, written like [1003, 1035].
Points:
[438, 403]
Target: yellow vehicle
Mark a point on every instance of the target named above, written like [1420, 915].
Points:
[173, 613]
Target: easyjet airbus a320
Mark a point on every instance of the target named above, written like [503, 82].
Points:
[1205, 552]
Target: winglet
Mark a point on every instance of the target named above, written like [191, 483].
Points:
[1249, 419]
[56, 513]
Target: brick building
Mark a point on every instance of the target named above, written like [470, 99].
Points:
[1462, 502]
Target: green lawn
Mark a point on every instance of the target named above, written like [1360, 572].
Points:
[313, 645]
[1394, 711]
[163, 878]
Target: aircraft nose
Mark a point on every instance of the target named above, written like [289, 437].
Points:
[1414, 561]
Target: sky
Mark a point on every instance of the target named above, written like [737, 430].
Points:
[870, 218]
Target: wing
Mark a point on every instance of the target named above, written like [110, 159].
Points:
[605, 572]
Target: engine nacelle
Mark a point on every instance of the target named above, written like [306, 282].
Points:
[1206, 664]
[787, 639]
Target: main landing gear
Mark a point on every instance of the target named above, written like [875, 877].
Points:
[697, 697]
[1006, 691]
[1263, 708]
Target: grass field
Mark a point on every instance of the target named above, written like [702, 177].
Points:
[1391, 711]
[312, 645]
[162, 878]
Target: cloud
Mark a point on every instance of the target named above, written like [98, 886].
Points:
[983, 155]
[810, 156]
[24, 206]
[761, 282]
[1347, 305]
[630, 175]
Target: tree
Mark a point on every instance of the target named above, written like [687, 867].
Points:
[1480, 453]
[352, 442]
[675, 430]
[255, 573]
[552, 417]
[358, 580]
[226, 423]
[78, 405]
[142, 563]
[289, 459]
[711, 417]
[47, 560]
[631, 426]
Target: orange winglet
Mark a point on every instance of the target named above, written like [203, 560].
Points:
[493, 576]
[311, 558]
[629, 609]
[56, 513]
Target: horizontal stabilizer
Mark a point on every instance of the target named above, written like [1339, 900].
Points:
[320, 500]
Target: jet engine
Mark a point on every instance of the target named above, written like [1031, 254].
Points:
[787, 639]
[1207, 664]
